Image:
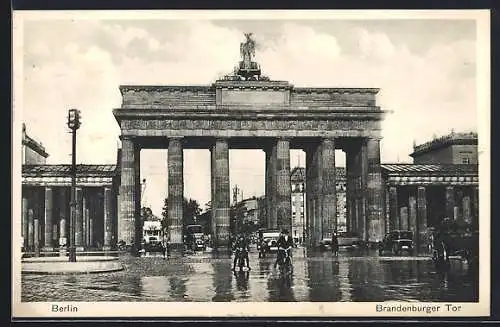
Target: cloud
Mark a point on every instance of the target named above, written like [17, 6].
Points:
[81, 64]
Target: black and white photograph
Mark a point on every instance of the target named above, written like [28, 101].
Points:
[251, 163]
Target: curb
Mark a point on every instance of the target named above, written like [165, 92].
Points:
[34, 272]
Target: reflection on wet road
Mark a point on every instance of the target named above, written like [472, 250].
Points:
[349, 277]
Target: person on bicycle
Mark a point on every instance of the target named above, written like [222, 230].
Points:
[285, 241]
[241, 243]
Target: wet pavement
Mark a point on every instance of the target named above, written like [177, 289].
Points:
[353, 276]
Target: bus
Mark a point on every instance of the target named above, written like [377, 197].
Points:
[194, 237]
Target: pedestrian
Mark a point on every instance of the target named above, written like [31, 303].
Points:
[335, 244]
[163, 249]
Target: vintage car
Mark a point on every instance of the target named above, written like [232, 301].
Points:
[152, 244]
[325, 244]
[397, 242]
[450, 239]
[268, 241]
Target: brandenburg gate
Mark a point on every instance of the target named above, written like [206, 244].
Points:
[249, 111]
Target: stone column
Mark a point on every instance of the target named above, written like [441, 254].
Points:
[363, 203]
[266, 222]
[108, 221]
[91, 232]
[403, 212]
[31, 228]
[24, 220]
[393, 208]
[138, 224]
[85, 214]
[466, 208]
[350, 189]
[176, 192]
[49, 197]
[328, 192]
[213, 225]
[222, 191]
[63, 216]
[309, 185]
[126, 224]
[313, 192]
[375, 192]
[412, 211]
[450, 202]
[475, 207]
[36, 237]
[79, 219]
[283, 185]
[422, 218]
[271, 191]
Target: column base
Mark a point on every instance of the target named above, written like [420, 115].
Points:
[63, 251]
[175, 250]
[79, 248]
[107, 248]
[47, 249]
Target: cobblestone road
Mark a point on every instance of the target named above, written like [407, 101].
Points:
[352, 276]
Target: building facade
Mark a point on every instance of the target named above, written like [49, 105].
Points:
[443, 182]
[298, 183]
[45, 221]
[33, 153]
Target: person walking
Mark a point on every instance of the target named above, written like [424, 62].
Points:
[335, 244]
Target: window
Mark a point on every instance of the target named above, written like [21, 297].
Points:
[465, 160]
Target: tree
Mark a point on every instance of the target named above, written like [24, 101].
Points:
[191, 210]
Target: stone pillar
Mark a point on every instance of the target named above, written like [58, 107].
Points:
[213, 225]
[393, 208]
[85, 213]
[466, 208]
[31, 228]
[222, 191]
[350, 189]
[91, 232]
[36, 237]
[403, 212]
[450, 202]
[79, 219]
[108, 221]
[63, 216]
[422, 218]
[176, 192]
[24, 220]
[375, 192]
[126, 224]
[328, 191]
[49, 197]
[475, 208]
[266, 222]
[362, 190]
[412, 212]
[309, 185]
[313, 194]
[138, 223]
[271, 191]
[283, 185]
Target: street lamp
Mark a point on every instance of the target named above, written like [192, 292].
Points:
[73, 124]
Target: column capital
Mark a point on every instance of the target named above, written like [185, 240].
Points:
[127, 137]
[328, 139]
[421, 187]
[179, 139]
[374, 138]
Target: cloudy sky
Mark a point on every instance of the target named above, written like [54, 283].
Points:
[426, 70]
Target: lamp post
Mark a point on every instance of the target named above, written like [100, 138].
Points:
[73, 124]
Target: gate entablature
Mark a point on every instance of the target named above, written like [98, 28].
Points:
[223, 94]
